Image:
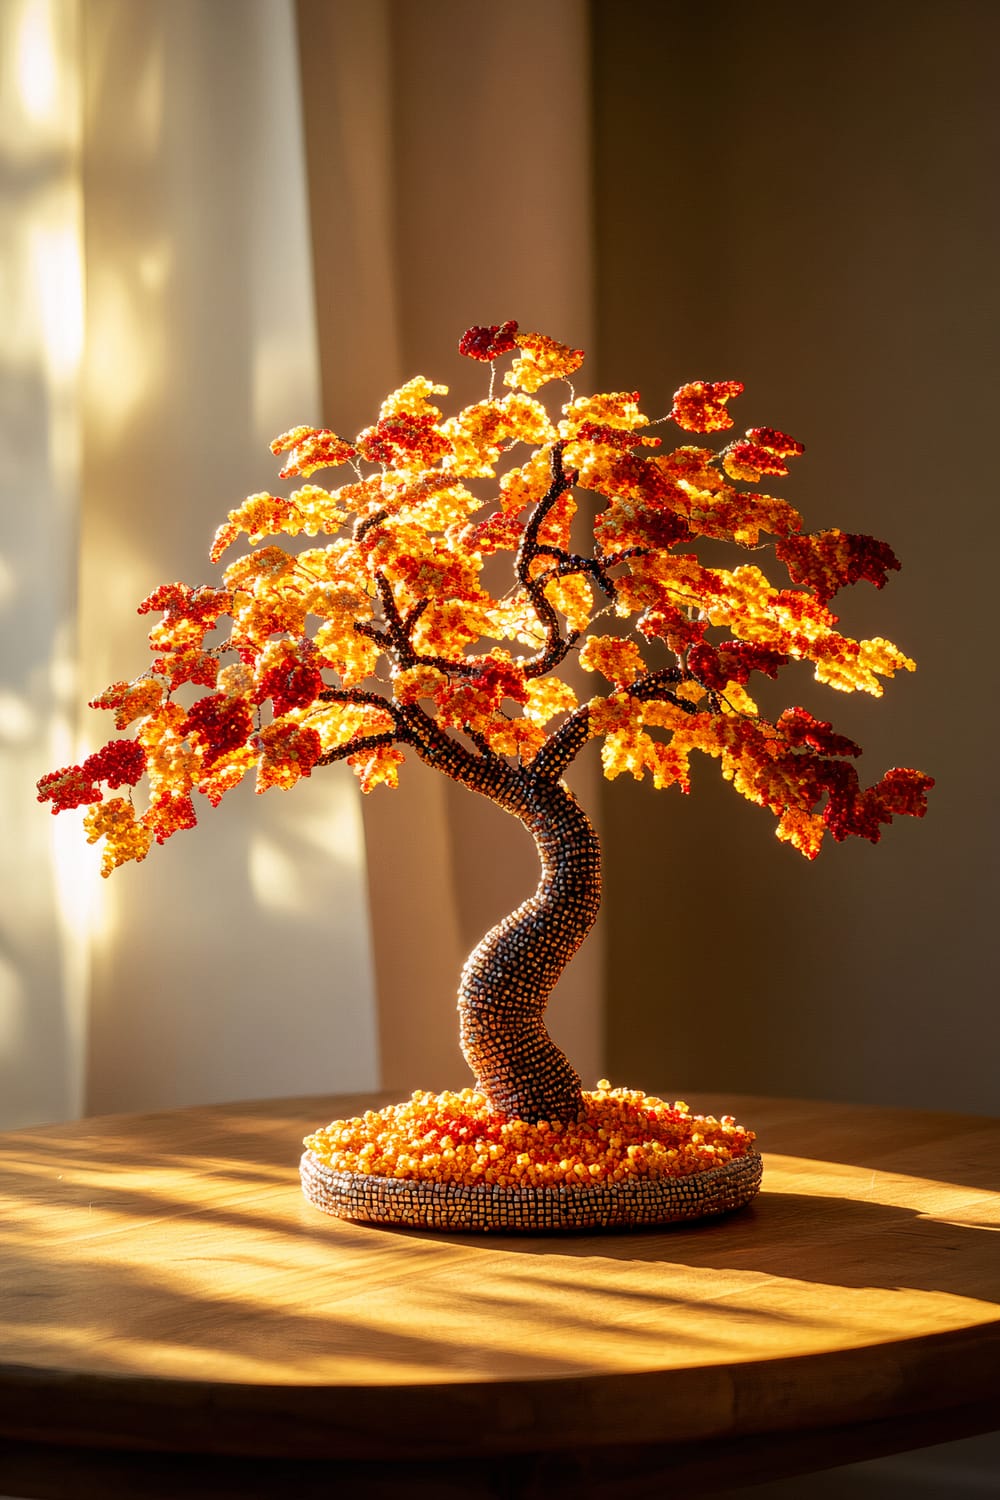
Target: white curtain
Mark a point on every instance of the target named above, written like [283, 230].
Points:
[41, 300]
[187, 279]
[236, 961]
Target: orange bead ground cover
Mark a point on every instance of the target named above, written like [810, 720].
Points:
[454, 1137]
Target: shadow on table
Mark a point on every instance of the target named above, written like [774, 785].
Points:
[832, 1241]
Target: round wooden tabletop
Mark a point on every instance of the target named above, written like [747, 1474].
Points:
[173, 1312]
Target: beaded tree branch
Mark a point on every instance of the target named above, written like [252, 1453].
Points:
[388, 639]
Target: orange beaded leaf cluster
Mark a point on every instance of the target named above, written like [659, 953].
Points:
[390, 637]
[455, 1138]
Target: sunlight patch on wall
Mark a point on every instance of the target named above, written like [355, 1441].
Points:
[125, 353]
[276, 877]
[61, 678]
[46, 140]
[154, 265]
[283, 381]
[57, 264]
[289, 866]
[17, 721]
[119, 638]
[82, 913]
[337, 834]
[36, 68]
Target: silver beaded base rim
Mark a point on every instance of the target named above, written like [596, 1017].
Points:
[634, 1201]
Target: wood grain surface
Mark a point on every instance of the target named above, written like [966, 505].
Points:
[165, 1289]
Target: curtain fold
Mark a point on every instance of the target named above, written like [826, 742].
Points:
[43, 913]
[448, 152]
[236, 961]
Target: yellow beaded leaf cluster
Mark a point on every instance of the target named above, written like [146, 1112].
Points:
[398, 632]
[455, 1138]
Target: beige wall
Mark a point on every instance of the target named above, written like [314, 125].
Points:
[804, 198]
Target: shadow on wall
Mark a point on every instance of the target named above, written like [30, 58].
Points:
[797, 200]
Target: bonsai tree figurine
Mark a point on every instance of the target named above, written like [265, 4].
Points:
[459, 579]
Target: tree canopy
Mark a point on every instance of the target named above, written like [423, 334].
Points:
[403, 630]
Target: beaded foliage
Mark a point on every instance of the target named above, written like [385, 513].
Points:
[399, 632]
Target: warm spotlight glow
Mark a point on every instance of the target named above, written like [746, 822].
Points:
[338, 833]
[37, 63]
[58, 275]
[77, 868]
[17, 722]
[123, 352]
[275, 876]
[154, 266]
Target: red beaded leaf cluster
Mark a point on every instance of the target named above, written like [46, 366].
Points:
[387, 636]
[828, 560]
[120, 763]
[488, 343]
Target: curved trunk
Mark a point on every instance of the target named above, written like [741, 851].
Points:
[508, 977]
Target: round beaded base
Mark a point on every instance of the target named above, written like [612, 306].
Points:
[636, 1201]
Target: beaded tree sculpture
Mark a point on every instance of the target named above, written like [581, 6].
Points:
[389, 640]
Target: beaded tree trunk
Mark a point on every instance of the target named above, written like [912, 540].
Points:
[387, 640]
[509, 976]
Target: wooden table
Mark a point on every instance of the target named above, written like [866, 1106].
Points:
[177, 1320]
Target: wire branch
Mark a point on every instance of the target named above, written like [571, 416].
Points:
[399, 630]
[480, 741]
[571, 562]
[563, 745]
[395, 629]
[612, 559]
[566, 742]
[556, 644]
[375, 519]
[372, 631]
[364, 698]
[656, 685]
[441, 750]
[413, 615]
[358, 695]
[359, 746]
